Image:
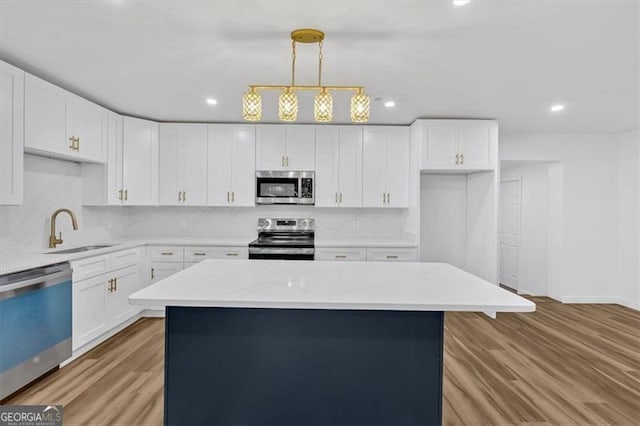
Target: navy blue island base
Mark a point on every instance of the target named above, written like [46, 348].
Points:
[302, 367]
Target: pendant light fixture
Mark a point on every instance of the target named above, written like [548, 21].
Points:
[288, 100]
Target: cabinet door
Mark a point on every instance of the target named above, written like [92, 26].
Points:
[300, 151]
[168, 147]
[439, 146]
[243, 172]
[350, 167]
[230, 253]
[89, 309]
[114, 159]
[220, 152]
[162, 270]
[392, 255]
[374, 167]
[192, 164]
[270, 146]
[475, 146]
[327, 166]
[88, 122]
[118, 307]
[11, 133]
[140, 160]
[46, 109]
[397, 167]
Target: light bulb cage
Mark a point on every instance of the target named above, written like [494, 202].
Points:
[288, 101]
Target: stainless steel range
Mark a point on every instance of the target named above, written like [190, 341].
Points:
[288, 239]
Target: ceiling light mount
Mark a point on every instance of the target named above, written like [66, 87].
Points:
[288, 101]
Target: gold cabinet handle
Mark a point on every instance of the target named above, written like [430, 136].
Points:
[336, 198]
[77, 144]
[179, 196]
[199, 254]
[233, 196]
[184, 196]
[287, 161]
[340, 256]
[388, 197]
[126, 194]
[120, 195]
[389, 256]
[461, 158]
[283, 161]
[341, 198]
[166, 253]
[384, 198]
[228, 197]
[153, 273]
[73, 143]
[231, 254]
[115, 284]
[110, 285]
[457, 159]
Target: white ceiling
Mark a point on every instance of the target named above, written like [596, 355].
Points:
[507, 60]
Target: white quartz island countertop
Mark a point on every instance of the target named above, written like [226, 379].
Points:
[281, 284]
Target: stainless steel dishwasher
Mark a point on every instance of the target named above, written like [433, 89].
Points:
[35, 324]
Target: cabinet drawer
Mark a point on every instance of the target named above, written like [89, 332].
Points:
[166, 253]
[196, 254]
[230, 253]
[90, 267]
[124, 258]
[392, 255]
[341, 254]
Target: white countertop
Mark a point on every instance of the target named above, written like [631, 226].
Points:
[330, 285]
[11, 262]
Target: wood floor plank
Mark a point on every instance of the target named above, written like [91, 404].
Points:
[562, 365]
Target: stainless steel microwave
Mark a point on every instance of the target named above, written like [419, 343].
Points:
[285, 187]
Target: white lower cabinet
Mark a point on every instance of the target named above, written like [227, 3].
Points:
[101, 289]
[341, 254]
[230, 253]
[89, 309]
[161, 270]
[392, 255]
[367, 254]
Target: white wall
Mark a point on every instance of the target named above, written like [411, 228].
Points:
[534, 226]
[628, 218]
[589, 226]
[49, 185]
[598, 245]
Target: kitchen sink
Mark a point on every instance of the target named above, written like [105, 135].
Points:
[80, 249]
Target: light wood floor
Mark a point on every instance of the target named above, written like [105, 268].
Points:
[562, 365]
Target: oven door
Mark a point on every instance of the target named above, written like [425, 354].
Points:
[281, 253]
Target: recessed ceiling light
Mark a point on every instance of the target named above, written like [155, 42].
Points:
[556, 108]
[212, 101]
[460, 2]
[390, 104]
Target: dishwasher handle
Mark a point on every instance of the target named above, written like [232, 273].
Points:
[41, 281]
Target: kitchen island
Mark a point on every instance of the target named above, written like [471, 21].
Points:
[312, 343]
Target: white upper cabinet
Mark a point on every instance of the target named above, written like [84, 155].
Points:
[338, 166]
[183, 164]
[385, 166]
[464, 145]
[11, 133]
[61, 124]
[140, 162]
[231, 165]
[285, 147]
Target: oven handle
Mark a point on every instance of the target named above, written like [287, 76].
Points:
[40, 282]
[276, 250]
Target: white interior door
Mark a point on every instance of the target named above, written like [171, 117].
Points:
[510, 218]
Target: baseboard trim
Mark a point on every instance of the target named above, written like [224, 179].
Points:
[603, 300]
[153, 313]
